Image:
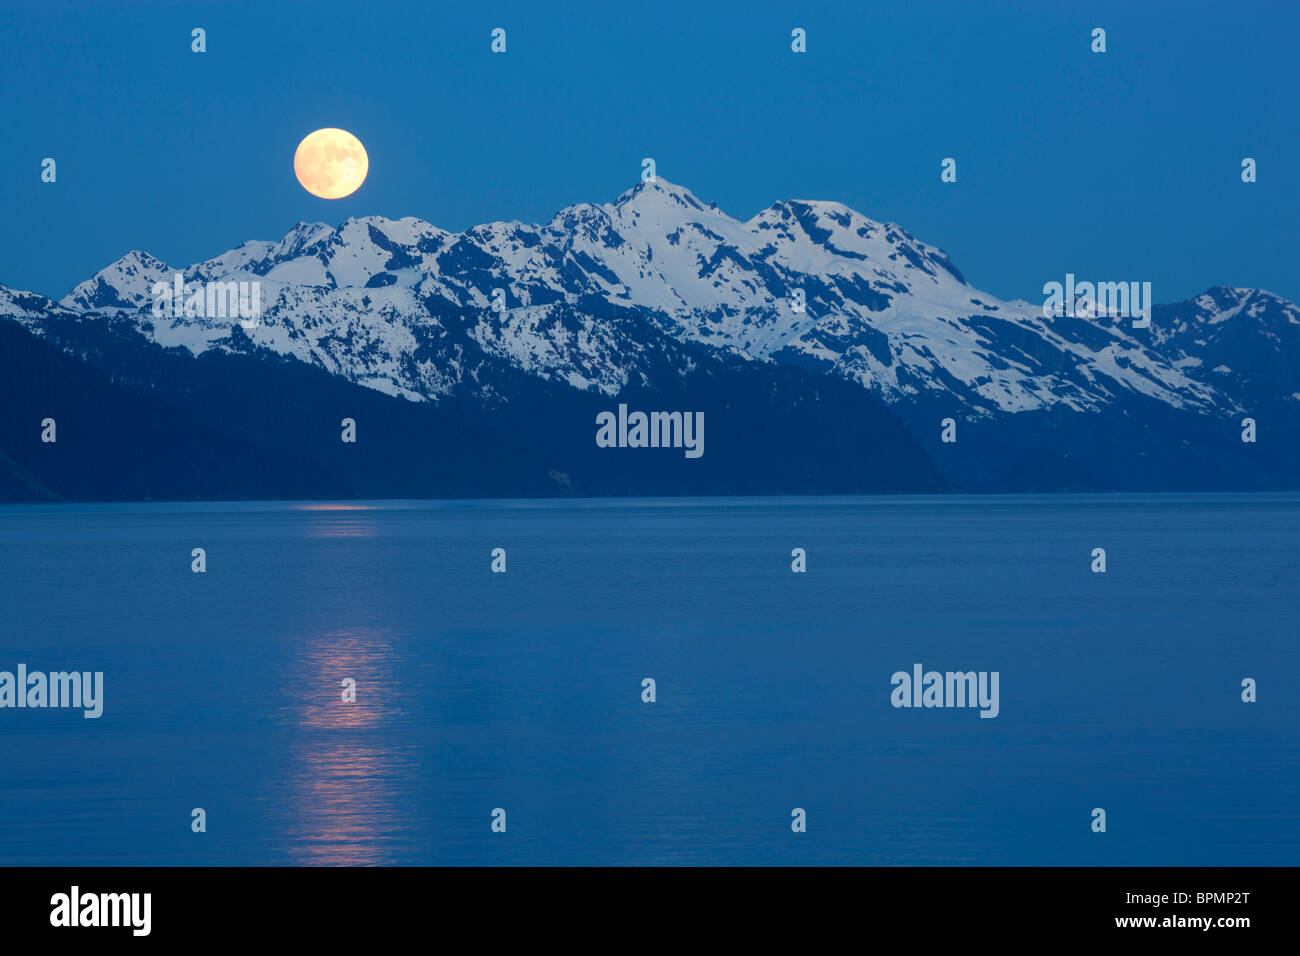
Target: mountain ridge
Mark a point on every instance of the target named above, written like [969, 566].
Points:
[641, 292]
[881, 307]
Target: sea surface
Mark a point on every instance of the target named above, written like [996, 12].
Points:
[523, 691]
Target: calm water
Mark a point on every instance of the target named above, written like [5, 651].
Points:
[523, 690]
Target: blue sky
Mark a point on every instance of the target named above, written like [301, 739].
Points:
[1116, 166]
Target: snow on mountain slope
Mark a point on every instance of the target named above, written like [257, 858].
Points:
[123, 285]
[32, 310]
[1237, 338]
[403, 306]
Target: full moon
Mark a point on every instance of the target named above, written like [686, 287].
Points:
[331, 163]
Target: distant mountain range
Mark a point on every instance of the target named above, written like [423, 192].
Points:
[824, 349]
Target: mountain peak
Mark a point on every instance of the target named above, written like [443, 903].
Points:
[659, 191]
[302, 235]
[123, 284]
[1225, 302]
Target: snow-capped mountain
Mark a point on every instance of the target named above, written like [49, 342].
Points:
[387, 302]
[1244, 342]
[799, 326]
